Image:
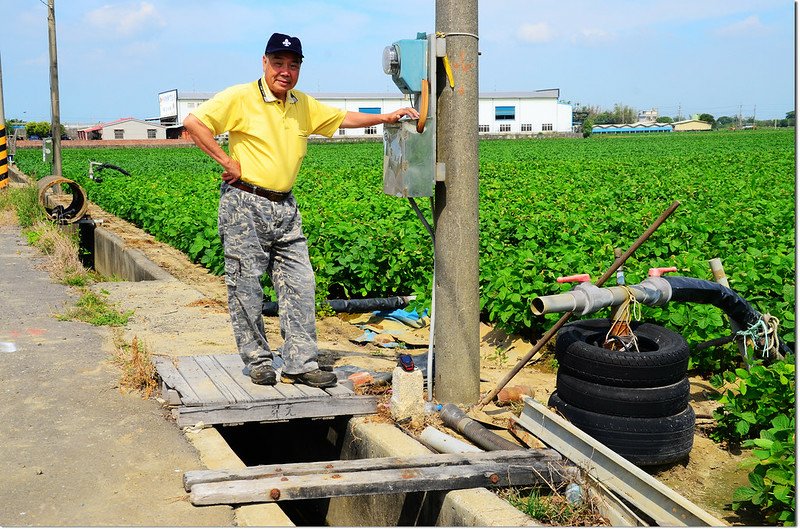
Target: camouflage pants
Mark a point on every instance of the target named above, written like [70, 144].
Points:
[259, 235]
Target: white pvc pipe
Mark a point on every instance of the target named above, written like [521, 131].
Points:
[444, 443]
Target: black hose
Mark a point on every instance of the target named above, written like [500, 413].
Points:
[352, 306]
[115, 167]
[692, 290]
[453, 417]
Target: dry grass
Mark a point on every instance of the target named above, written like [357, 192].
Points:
[61, 251]
[138, 371]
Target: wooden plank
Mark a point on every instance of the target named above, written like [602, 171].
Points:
[224, 382]
[232, 363]
[172, 378]
[339, 391]
[391, 481]
[277, 410]
[309, 391]
[205, 389]
[194, 477]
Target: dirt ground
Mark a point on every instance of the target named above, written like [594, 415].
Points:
[195, 308]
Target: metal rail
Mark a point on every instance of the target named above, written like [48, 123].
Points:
[665, 506]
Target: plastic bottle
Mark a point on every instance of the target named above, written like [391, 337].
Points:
[574, 494]
[432, 407]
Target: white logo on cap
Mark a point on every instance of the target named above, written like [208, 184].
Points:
[286, 43]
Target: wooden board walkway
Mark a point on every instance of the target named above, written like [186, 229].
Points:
[213, 389]
[386, 475]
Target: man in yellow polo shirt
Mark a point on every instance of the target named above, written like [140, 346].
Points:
[268, 124]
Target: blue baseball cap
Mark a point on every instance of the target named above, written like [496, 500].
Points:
[279, 42]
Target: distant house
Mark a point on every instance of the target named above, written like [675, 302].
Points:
[124, 129]
[691, 124]
[648, 116]
[628, 128]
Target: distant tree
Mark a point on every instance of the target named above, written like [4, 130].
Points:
[605, 118]
[624, 114]
[725, 121]
[38, 128]
[790, 118]
[663, 119]
[587, 127]
[708, 118]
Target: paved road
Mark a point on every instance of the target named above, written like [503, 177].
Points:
[73, 449]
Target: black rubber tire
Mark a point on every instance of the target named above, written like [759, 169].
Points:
[661, 361]
[644, 441]
[660, 401]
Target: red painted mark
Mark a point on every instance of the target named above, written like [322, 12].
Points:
[494, 479]
[35, 332]
[284, 478]
[336, 476]
[275, 494]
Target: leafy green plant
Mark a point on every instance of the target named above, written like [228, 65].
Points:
[755, 399]
[772, 486]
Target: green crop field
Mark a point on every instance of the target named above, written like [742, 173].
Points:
[547, 208]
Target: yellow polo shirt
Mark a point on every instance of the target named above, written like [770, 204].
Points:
[268, 138]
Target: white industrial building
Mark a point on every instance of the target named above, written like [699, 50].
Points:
[498, 112]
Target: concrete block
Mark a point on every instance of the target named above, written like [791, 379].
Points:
[407, 399]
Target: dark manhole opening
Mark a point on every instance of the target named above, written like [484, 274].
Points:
[296, 441]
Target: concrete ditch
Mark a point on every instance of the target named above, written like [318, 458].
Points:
[363, 439]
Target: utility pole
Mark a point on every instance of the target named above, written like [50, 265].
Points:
[457, 330]
[55, 113]
[3, 137]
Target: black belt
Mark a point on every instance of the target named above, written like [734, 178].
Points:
[275, 196]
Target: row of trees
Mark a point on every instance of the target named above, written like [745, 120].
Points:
[40, 129]
[626, 114]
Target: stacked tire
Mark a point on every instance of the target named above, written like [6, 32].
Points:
[634, 402]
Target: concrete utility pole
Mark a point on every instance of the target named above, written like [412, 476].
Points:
[55, 113]
[457, 332]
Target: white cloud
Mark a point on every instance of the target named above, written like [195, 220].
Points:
[536, 33]
[126, 20]
[750, 26]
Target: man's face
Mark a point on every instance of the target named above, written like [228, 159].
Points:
[281, 71]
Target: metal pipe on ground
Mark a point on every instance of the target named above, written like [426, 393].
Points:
[453, 417]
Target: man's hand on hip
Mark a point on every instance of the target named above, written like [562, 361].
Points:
[232, 171]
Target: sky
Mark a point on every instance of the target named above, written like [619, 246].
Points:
[719, 57]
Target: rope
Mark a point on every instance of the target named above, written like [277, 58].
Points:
[620, 331]
[763, 332]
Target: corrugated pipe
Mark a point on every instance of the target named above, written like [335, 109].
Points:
[453, 417]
